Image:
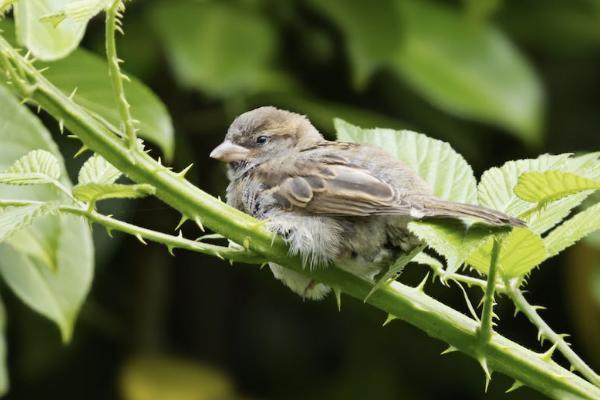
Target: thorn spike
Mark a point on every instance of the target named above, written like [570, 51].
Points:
[389, 319]
[140, 238]
[338, 298]
[514, 386]
[181, 222]
[198, 222]
[185, 171]
[421, 286]
[450, 349]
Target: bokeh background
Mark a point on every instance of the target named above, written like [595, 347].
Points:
[498, 79]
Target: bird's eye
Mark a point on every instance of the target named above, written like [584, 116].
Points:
[262, 139]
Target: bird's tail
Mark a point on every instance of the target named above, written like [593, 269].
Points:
[441, 208]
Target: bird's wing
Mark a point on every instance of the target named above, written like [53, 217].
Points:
[329, 184]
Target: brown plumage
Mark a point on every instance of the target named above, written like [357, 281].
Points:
[330, 200]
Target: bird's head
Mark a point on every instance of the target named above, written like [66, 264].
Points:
[265, 133]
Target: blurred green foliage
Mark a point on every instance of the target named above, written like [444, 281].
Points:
[497, 79]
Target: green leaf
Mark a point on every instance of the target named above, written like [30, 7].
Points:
[470, 70]
[49, 265]
[446, 171]
[45, 40]
[5, 6]
[55, 294]
[13, 219]
[544, 187]
[372, 34]
[452, 239]
[4, 383]
[97, 170]
[521, 251]
[573, 230]
[87, 74]
[36, 167]
[77, 11]
[496, 189]
[220, 48]
[93, 192]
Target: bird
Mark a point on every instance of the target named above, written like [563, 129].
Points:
[329, 200]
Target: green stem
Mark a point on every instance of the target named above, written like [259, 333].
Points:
[171, 241]
[114, 71]
[545, 331]
[407, 303]
[487, 314]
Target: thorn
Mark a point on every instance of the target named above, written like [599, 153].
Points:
[73, 93]
[246, 243]
[547, 356]
[262, 265]
[488, 373]
[61, 126]
[421, 286]
[517, 311]
[198, 222]
[450, 349]
[140, 238]
[109, 232]
[219, 255]
[338, 297]
[82, 150]
[389, 319]
[536, 308]
[181, 222]
[541, 337]
[184, 171]
[159, 161]
[170, 249]
[230, 262]
[180, 235]
[514, 386]
[43, 69]
[39, 109]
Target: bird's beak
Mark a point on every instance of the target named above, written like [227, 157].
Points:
[229, 152]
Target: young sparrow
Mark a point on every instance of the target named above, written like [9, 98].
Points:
[329, 200]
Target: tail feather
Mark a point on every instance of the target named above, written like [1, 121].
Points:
[440, 208]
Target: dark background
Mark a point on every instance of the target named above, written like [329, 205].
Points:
[193, 327]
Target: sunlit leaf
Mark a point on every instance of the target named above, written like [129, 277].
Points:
[496, 189]
[49, 265]
[93, 192]
[45, 40]
[220, 48]
[452, 238]
[13, 219]
[5, 6]
[572, 230]
[468, 69]
[446, 171]
[36, 167]
[77, 11]
[544, 187]
[372, 34]
[521, 251]
[97, 170]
